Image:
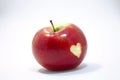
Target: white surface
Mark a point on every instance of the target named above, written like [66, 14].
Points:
[99, 20]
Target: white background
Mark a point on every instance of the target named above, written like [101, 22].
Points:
[99, 20]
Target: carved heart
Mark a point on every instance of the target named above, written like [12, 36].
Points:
[76, 49]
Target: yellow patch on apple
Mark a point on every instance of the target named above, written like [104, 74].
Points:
[60, 26]
[76, 49]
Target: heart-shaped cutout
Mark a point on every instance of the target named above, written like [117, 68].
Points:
[76, 49]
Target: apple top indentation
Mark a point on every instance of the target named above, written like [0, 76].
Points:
[58, 27]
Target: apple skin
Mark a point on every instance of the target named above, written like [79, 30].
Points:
[52, 49]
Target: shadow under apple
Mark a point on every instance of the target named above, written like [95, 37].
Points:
[83, 68]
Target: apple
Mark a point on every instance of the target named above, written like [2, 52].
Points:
[59, 47]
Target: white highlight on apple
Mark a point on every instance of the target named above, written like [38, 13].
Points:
[76, 49]
[63, 35]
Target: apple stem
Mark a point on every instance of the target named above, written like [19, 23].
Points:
[52, 26]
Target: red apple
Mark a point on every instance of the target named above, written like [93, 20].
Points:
[59, 47]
